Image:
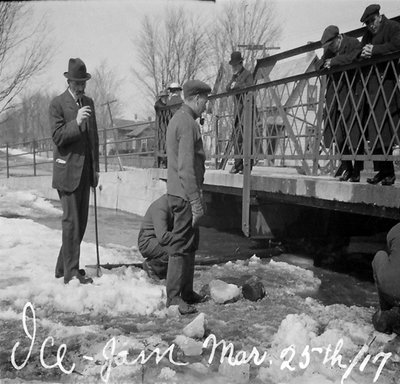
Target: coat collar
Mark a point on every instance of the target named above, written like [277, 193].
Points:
[188, 110]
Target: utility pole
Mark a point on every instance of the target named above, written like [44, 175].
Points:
[121, 168]
[257, 47]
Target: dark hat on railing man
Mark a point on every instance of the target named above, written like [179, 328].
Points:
[370, 12]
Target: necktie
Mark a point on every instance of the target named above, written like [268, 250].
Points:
[79, 102]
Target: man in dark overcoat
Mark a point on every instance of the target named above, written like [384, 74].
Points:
[341, 128]
[75, 165]
[241, 78]
[382, 36]
[185, 177]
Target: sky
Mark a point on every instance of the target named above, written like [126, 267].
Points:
[86, 317]
[98, 30]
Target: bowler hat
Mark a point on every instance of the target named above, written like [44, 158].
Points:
[236, 58]
[329, 34]
[371, 10]
[195, 87]
[77, 70]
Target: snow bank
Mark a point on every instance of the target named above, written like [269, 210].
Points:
[33, 249]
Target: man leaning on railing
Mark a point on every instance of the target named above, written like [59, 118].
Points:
[382, 36]
[339, 122]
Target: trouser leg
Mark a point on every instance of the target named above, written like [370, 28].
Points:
[380, 259]
[175, 279]
[181, 246]
[156, 255]
[75, 207]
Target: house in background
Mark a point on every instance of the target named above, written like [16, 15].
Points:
[132, 136]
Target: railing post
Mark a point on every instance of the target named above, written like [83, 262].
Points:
[34, 157]
[318, 133]
[105, 148]
[247, 145]
[216, 140]
[7, 161]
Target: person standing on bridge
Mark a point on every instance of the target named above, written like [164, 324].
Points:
[340, 126]
[185, 177]
[386, 269]
[174, 99]
[75, 165]
[241, 78]
[382, 112]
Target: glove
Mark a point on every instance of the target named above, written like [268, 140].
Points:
[197, 211]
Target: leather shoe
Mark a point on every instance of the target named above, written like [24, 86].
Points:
[355, 177]
[389, 180]
[195, 298]
[376, 179]
[346, 175]
[82, 279]
[150, 271]
[82, 272]
[340, 170]
[235, 169]
[183, 307]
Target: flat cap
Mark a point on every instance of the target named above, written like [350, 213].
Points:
[195, 87]
[371, 10]
[329, 34]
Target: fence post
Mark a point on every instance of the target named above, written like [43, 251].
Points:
[7, 161]
[105, 148]
[216, 140]
[247, 145]
[34, 157]
[318, 131]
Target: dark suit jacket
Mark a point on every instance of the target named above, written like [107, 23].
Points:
[72, 142]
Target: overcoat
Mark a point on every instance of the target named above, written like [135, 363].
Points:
[340, 99]
[72, 142]
[386, 40]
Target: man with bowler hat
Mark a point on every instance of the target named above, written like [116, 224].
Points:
[185, 179]
[241, 78]
[340, 124]
[75, 165]
[382, 36]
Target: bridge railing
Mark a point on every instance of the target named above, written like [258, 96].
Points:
[310, 121]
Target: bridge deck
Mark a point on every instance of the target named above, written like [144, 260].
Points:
[286, 185]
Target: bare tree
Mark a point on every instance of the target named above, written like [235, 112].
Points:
[24, 50]
[243, 23]
[171, 49]
[103, 88]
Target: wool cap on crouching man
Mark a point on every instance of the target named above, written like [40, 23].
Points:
[329, 34]
[369, 12]
[195, 87]
[77, 70]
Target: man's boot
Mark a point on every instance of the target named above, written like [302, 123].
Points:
[175, 280]
[188, 294]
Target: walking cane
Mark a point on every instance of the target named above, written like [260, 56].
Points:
[97, 233]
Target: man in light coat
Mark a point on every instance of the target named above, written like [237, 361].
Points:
[185, 179]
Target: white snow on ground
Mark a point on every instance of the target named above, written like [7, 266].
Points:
[28, 253]
[25, 204]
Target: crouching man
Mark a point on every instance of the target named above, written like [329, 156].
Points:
[185, 178]
[154, 236]
[386, 268]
